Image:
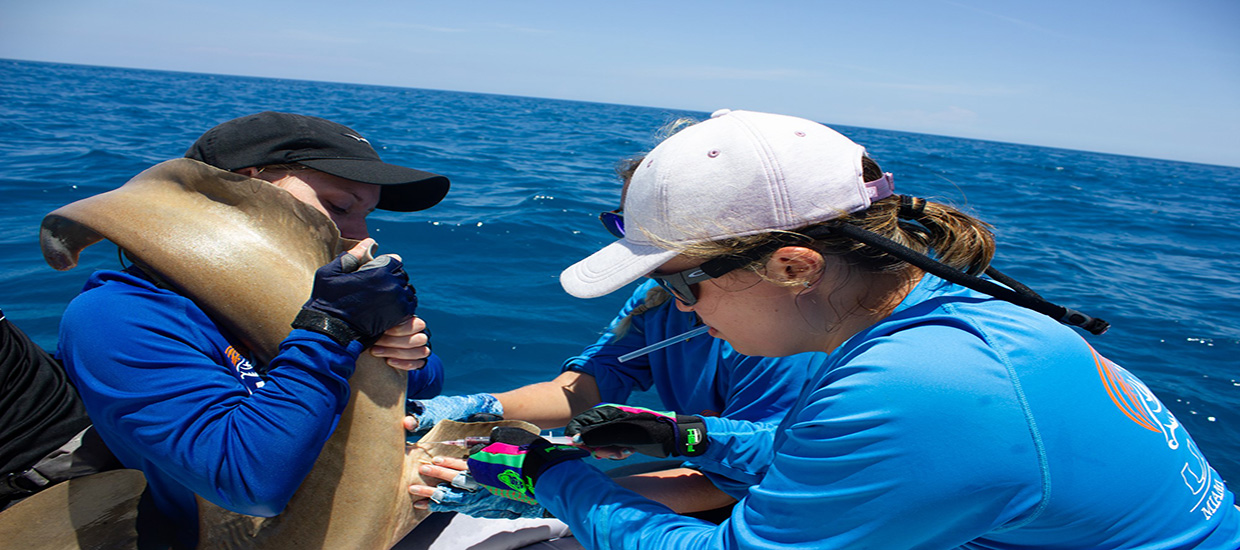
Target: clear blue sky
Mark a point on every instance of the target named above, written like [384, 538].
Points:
[1151, 78]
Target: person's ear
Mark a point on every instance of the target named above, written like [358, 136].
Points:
[797, 265]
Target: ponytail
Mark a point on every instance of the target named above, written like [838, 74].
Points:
[953, 237]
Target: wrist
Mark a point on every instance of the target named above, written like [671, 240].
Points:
[489, 404]
[558, 478]
[691, 435]
[542, 456]
[322, 323]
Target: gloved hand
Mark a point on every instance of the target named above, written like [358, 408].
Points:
[653, 433]
[464, 497]
[510, 465]
[427, 412]
[358, 303]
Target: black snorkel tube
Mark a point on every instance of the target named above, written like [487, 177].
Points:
[1024, 297]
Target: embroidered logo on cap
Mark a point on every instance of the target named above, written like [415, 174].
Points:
[357, 137]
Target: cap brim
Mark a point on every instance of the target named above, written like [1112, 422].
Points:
[404, 189]
[616, 265]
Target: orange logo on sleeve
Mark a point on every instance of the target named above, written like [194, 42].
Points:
[1129, 399]
[1139, 404]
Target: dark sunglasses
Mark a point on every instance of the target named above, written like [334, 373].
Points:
[613, 222]
[681, 284]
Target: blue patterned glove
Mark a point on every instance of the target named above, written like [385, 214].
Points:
[463, 496]
[451, 407]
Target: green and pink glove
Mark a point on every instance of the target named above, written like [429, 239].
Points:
[510, 465]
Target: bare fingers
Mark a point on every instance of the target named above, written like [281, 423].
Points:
[458, 464]
[402, 364]
[415, 325]
[404, 345]
[423, 495]
[444, 468]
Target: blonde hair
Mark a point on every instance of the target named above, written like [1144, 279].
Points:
[654, 298]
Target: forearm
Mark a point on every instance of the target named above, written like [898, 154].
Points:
[684, 490]
[739, 450]
[190, 417]
[553, 403]
[303, 391]
[606, 516]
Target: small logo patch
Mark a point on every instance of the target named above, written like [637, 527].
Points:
[693, 437]
[512, 479]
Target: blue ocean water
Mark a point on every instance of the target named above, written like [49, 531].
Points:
[1149, 245]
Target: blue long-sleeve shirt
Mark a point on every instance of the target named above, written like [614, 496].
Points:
[172, 396]
[701, 376]
[959, 421]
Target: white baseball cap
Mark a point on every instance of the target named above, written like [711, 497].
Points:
[739, 173]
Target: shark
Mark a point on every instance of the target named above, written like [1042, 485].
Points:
[245, 251]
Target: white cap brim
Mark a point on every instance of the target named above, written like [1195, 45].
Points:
[609, 269]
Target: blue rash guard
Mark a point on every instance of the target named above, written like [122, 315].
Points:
[172, 396]
[959, 421]
[702, 376]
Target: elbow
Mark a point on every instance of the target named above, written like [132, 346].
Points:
[260, 507]
[261, 511]
[266, 500]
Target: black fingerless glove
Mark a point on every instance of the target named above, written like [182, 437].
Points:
[351, 303]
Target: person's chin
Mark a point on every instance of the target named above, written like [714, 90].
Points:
[743, 348]
[754, 349]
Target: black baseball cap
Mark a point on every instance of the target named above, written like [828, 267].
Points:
[282, 138]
